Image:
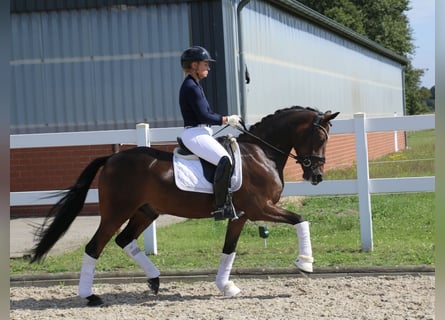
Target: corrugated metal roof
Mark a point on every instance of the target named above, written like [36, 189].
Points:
[26, 6]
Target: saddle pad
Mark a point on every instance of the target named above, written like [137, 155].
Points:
[189, 175]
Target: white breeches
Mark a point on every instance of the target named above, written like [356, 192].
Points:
[199, 140]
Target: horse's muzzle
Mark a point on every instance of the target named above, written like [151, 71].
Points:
[316, 179]
[313, 176]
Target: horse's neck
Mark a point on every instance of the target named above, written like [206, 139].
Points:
[271, 154]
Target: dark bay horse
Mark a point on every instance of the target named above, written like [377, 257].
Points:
[137, 185]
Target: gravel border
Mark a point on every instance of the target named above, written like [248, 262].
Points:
[72, 278]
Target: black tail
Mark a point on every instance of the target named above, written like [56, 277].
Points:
[65, 211]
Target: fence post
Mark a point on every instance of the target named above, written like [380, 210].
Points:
[150, 242]
[396, 138]
[364, 198]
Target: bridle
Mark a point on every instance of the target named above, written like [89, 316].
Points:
[307, 161]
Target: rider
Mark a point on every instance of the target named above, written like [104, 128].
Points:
[197, 135]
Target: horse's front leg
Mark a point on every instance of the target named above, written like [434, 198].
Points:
[228, 288]
[304, 259]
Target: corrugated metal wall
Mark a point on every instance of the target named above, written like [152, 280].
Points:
[117, 64]
[230, 29]
[95, 69]
[208, 29]
[292, 61]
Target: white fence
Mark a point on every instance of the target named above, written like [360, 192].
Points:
[363, 185]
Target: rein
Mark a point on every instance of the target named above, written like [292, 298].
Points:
[290, 155]
[305, 160]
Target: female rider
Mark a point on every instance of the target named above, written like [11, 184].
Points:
[197, 135]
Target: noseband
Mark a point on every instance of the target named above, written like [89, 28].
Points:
[306, 160]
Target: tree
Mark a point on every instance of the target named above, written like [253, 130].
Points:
[342, 11]
[385, 22]
[431, 99]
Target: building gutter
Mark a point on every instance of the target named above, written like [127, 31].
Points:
[242, 69]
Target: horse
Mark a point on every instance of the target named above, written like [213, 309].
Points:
[137, 185]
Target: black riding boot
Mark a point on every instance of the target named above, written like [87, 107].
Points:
[223, 199]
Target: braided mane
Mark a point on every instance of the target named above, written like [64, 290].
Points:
[269, 117]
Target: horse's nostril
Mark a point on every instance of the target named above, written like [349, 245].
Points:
[316, 179]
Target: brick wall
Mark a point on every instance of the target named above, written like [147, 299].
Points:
[38, 169]
[57, 168]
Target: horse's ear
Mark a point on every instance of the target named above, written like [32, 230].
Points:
[328, 116]
[333, 115]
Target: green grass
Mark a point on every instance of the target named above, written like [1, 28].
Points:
[403, 232]
[416, 160]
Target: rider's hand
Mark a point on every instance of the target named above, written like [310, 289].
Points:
[233, 120]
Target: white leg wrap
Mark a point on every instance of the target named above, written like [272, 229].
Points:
[134, 252]
[228, 288]
[304, 260]
[304, 239]
[87, 276]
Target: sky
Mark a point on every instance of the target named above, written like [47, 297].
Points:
[421, 19]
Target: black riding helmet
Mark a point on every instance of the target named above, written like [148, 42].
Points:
[195, 53]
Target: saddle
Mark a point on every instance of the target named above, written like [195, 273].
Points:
[208, 168]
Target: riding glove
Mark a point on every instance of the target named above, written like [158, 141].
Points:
[233, 120]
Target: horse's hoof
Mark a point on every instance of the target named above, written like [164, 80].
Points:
[154, 285]
[94, 301]
[304, 263]
[230, 290]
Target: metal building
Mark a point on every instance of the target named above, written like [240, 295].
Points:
[109, 64]
[297, 56]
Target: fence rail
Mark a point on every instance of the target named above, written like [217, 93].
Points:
[363, 185]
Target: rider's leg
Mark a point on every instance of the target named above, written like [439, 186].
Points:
[221, 183]
[200, 141]
[223, 197]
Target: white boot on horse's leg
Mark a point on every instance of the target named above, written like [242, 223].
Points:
[304, 263]
[227, 288]
[304, 260]
[134, 252]
[87, 276]
[230, 289]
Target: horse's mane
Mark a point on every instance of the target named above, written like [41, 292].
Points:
[268, 118]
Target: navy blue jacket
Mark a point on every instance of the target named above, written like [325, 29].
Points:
[195, 108]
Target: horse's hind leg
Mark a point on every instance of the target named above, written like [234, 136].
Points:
[127, 240]
[92, 252]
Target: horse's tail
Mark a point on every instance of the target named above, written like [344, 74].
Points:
[65, 210]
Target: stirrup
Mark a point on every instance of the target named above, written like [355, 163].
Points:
[227, 212]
